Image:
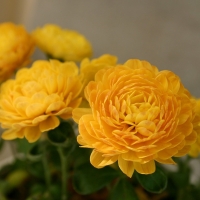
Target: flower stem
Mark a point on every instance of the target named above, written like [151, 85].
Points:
[46, 169]
[63, 160]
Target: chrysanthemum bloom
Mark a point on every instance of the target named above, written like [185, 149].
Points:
[62, 44]
[16, 47]
[195, 148]
[31, 104]
[138, 115]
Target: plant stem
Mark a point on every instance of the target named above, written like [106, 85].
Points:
[63, 160]
[46, 169]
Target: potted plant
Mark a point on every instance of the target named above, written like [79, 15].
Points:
[96, 130]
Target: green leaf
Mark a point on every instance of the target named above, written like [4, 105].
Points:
[36, 169]
[123, 190]
[55, 191]
[155, 183]
[63, 135]
[43, 196]
[23, 146]
[87, 179]
[78, 160]
[37, 188]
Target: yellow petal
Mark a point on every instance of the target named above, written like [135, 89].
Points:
[30, 88]
[167, 153]
[127, 167]
[191, 138]
[147, 168]
[80, 140]
[131, 156]
[108, 160]
[51, 85]
[32, 133]
[183, 151]
[149, 125]
[143, 131]
[75, 103]
[167, 161]
[55, 106]
[39, 97]
[86, 130]
[49, 124]
[64, 113]
[34, 110]
[39, 119]
[96, 158]
[161, 78]
[77, 113]
[20, 133]
[9, 134]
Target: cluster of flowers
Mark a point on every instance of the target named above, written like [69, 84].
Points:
[129, 113]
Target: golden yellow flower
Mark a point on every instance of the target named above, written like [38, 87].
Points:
[16, 47]
[62, 44]
[31, 104]
[195, 148]
[138, 115]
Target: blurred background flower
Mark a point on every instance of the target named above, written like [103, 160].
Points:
[195, 148]
[62, 44]
[16, 47]
[88, 68]
[31, 103]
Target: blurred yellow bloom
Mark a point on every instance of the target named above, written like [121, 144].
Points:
[138, 115]
[88, 68]
[16, 47]
[62, 44]
[31, 104]
[195, 148]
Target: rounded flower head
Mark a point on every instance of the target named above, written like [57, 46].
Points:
[30, 104]
[62, 44]
[195, 148]
[16, 47]
[138, 115]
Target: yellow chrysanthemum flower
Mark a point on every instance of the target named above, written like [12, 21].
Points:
[30, 104]
[16, 47]
[195, 148]
[138, 115]
[62, 44]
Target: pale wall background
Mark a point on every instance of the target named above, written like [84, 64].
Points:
[164, 32]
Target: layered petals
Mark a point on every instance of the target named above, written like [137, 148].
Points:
[195, 148]
[138, 115]
[31, 103]
[63, 44]
[90, 68]
[16, 47]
